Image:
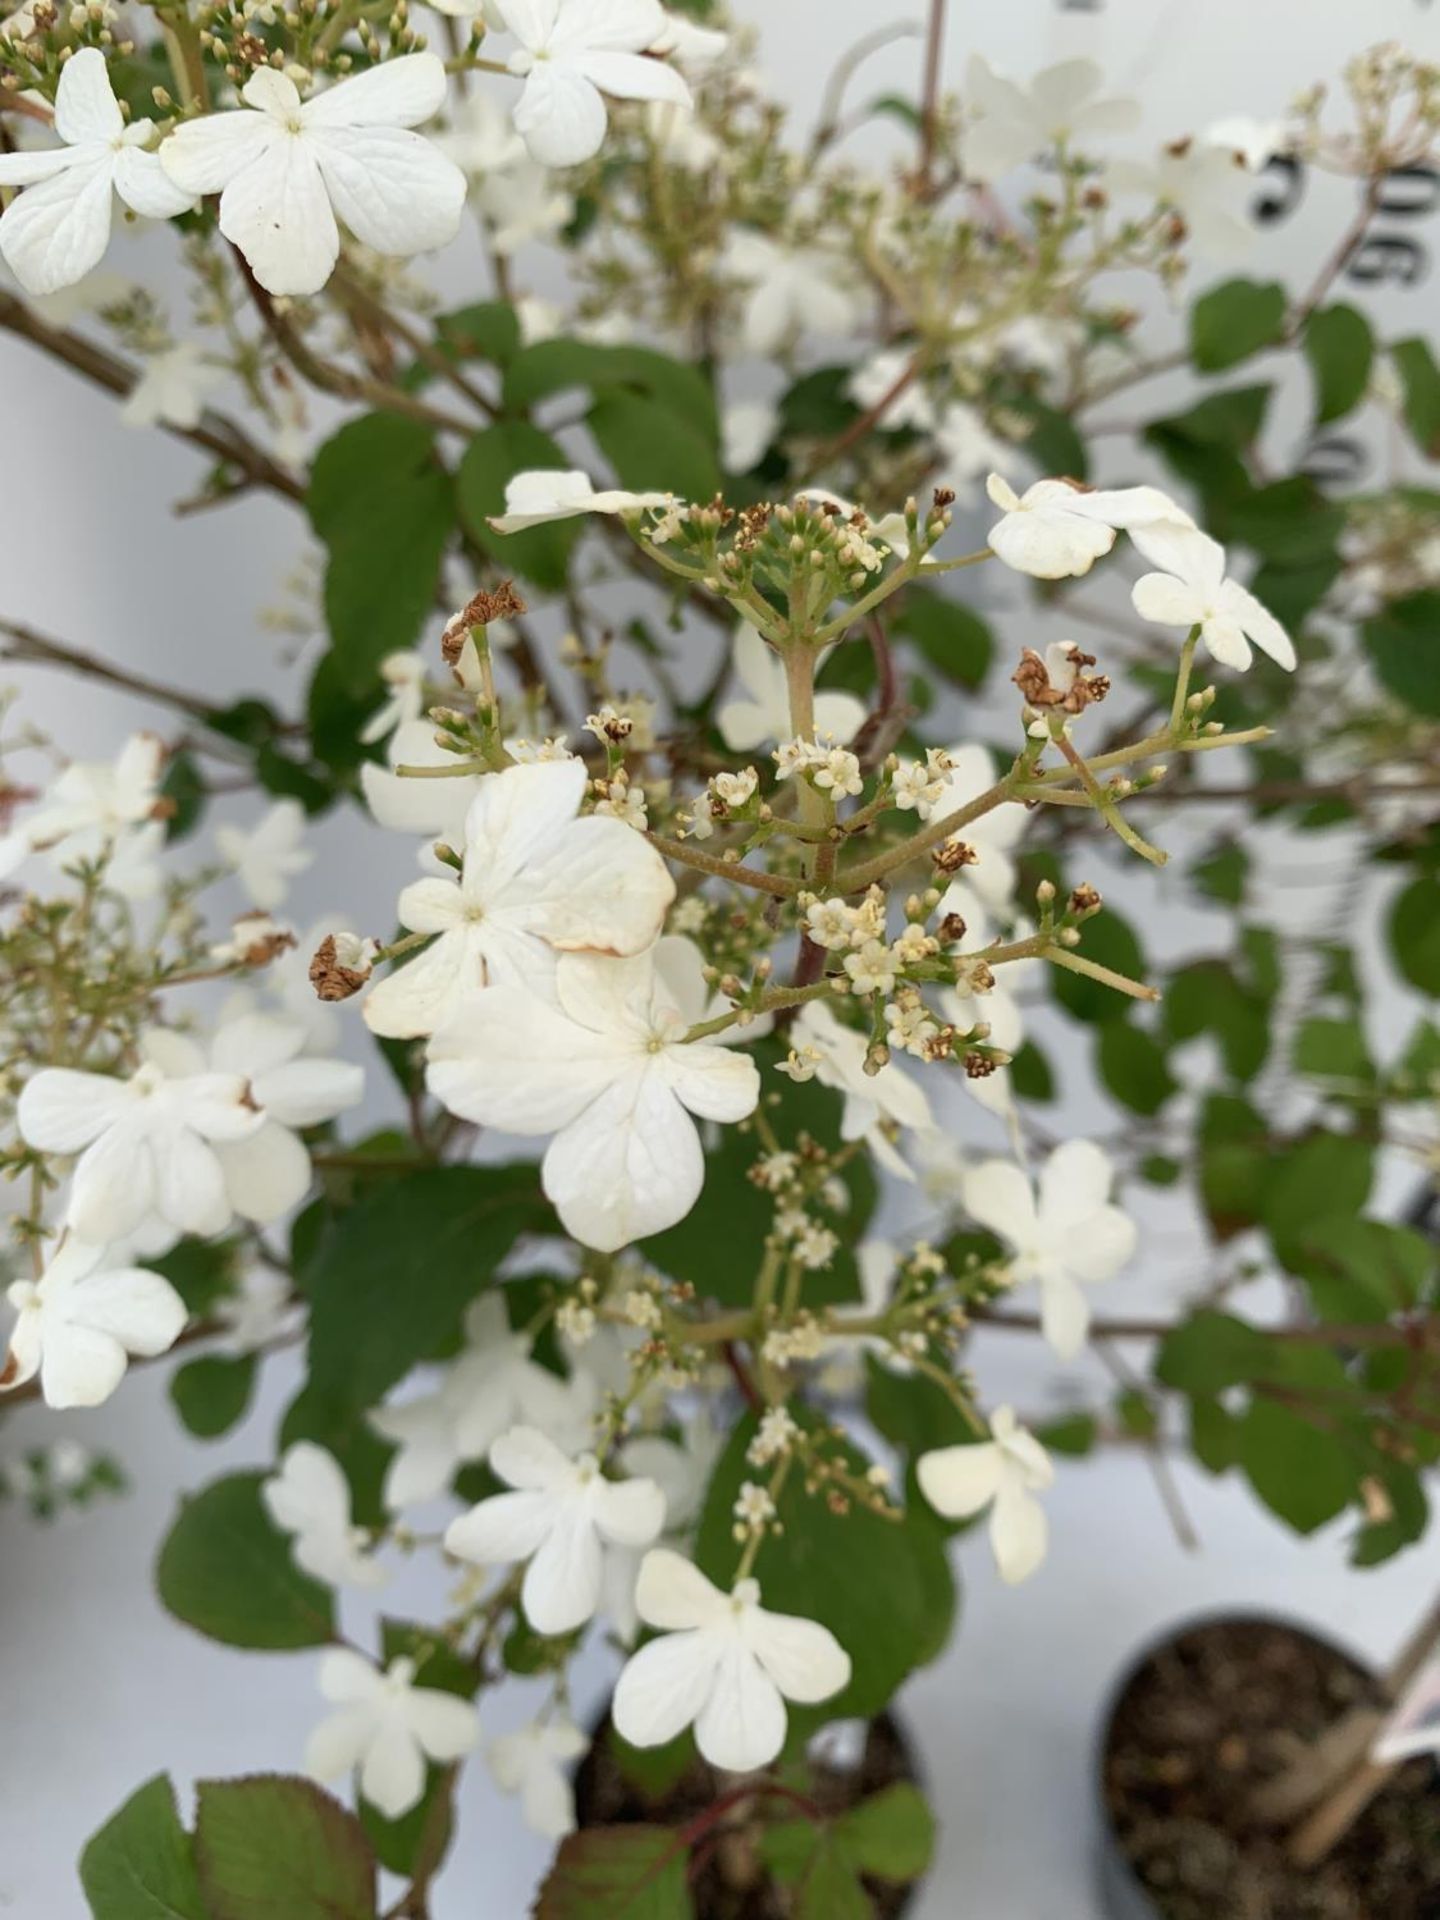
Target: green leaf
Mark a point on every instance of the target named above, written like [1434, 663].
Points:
[225, 1569]
[1134, 1068]
[1415, 934]
[1327, 1174]
[911, 1410]
[954, 640]
[1303, 1472]
[1222, 874]
[491, 462]
[380, 502]
[202, 1272]
[1110, 942]
[183, 790]
[277, 1848]
[390, 1285]
[618, 1873]
[823, 1567]
[211, 1394]
[818, 406]
[891, 1835]
[1333, 1050]
[1073, 1434]
[1233, 321]
[1341, 350]
[489, 330]
[1030, 1074]
[1420, 377]
[1211, 1351]
[1233, 1164]
[811, 1860]
[140, 1865]
[556, 366]
[1358, 1269]
[654, 449]
[1403, 643]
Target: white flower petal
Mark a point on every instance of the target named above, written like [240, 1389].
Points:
[277, 212]
[446, 1726]
[999, 1197]
[1074, 1181]
[804, 1659]
[392, 1773]
[265, 1176]
[54, 233]
[1019, 1533]
[630, 1165]
[560, 115]
[1064, 1314]
[672, 1593]
[714, 1081]
[630, 1513]
[959, 1481]
[61, 1110]
[561, 1588]
[506, 1528]
[145, 187]
[742, 1724]
[204, 156]
[1167, 601]
[86, 109]
[665, 1686]
[508, 1060]
[395, 190]
[397, 93]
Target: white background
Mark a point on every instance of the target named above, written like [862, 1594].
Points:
[98, 1690]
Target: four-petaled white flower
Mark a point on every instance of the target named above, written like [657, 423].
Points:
[788, 292]
[1013, 124]
[387, 1727]
[268, 855]
[537, 880]
[309, 1498]
[494, 1384]
[726, 1665]
[284, 168]
[59, 228]
[571, 54]
[1193, 591]
[534, 1762]
[534, 499]
[82, 1319]
[268, 1171]
[561, 1516]
[146, 1144]
[1072, 1238]
[172, 388]
[1057, 529]
[871, 1099]
[1003, 1473]
[765, 716]
[606, 1069]
[100, 810]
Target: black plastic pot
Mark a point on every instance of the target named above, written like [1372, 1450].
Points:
[1123, 1893]
[882, 1750]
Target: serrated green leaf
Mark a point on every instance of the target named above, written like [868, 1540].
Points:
[141, 1864]
[618, 1873]
[226, 1569]
[273, 1847]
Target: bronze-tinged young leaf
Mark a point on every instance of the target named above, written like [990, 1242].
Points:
[275, 1847]
[141, 1864]
[618, 1873]
[226, 1570]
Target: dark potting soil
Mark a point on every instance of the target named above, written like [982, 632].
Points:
[1205, 1722]
[732, 1883]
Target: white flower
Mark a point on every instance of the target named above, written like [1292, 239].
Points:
[608, 1073]
[875, 377]
[309, 1498]
[693, 45]
[534, 499]
[522, 203]
[1056, 529]
[1193, 591]
[82, 1319]
[267, 856]
[387, 1727]
[790, 292]
[434, 808]
[1072, 1238]
[1004, 1474]
[536, 879]
[404, 675]
[284, 169]
[967, 448]
[572, 53]
[765, 715]
[57, 230]
[480, 136]
[493, 1385]
[95, 809]
[559, 1518]
[267, 1173]
[1204, 184]
[991, 837]
[172, 388]
[260, 1311]
[534, 1762]
[747, 428]
[681, 1469]
[725, 1664]
[1254, 142]
[871, 1099]
[147, 1144]
[1013, 123]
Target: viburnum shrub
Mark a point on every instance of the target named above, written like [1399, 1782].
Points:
[732, 904]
